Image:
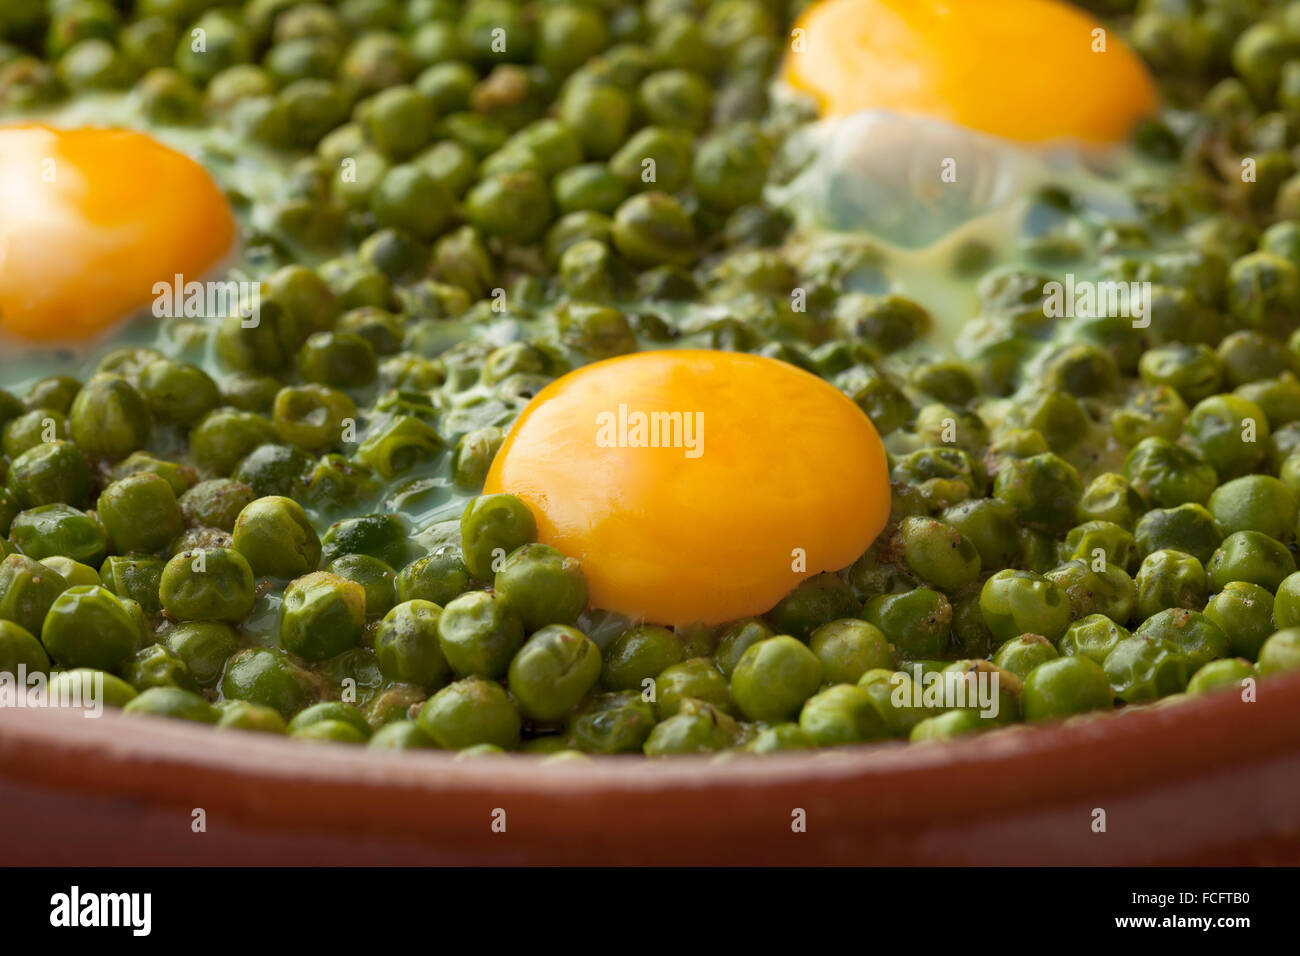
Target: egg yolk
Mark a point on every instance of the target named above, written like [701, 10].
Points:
[696, 486]
[90, 219]
[1027, 70]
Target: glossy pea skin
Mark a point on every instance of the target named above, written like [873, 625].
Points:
[322, 615]
[917, 623]
[157, 666]
[1200, 638]
[401, 735]
[173, 702]
[215, 503]
[438, 577]
[848, 648]
[208, 584]
[19, 648]
[60, 530]
[1250, 556]
[330, 710]
[938, 553]
[269, 677]
[479, 633]
[49, 473]
[1190, 528]
[1093, 636]
[407, 646]
[697, 679]
[1168, 475]
[204, 646]
[815, 601]
[1044, 489]
[244, 715]
[1221, 674]
[1169, 579]
[470, 712]
[89, 627]
[140, 513]
[639, 655]
[774, 678]
[1020, 655]
[1021, 602]
[841, 714]
[86, 685]
[553, 671]
[542, 585]
[736, 638]
[28, 589]
[696, 728]
[1259, 503]
[612, 723]
[491, 527]
[1280, 653]
[953, 723]
[382, 536]
[1146, 667]
[1065, 686]
[991, 525]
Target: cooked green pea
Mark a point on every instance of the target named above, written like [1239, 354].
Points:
[612, 723]
[89, 626]
[204, 647]
[774, 677]
[1224, 673]
[471, 712]
[1093, 636]
[917, 623]
[322, 615]
[437, 577]
[1022, 602]
[491, 527]
[696, 728]
[1065, 686]
[19, 649]
[842, 714]
[59, 530]
[269, 677]
[1257, 503]
[140, 513]
[1197, 635]
[1250, 556]
[49, 473]
[1280, 653]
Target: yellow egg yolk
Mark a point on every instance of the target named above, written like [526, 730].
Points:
[696, 486]
[1028, 70]
[90, 219]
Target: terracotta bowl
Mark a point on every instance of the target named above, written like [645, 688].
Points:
[1211, 780]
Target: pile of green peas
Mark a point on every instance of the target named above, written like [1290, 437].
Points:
[222, 528]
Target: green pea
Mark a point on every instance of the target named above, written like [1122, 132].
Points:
[157, 666]
[204, 647]
[849, 648]
[1250, 556]
[401, 735]
[696, 728]
[268, 677]
[109, 419]
[815, 601]
[27, 591]
[512, 205]
[275, 537]
[1245, 613]
[59, 530]
[1168, 475]
[225, 436]
[1230, 432]
[783, 736]
[989, 524]
[1065, 686]
[1109, 497]
[1188, 528]
[695, 679]
[938, 553]
[600, 114]
[543, 586]
[1147, 667]
[841, 714]
[1199, 637]
[1227, 672]
[1021, 602]
[132, 576]
[1170, 579]
[381, 536]
[328, 711]
[951, 724]
[612, 723]
[208, 584]
[736, 638]
[140, 513]
[1257, 503]
[89, 627]
[471, 712]
[1093, 636]
[917, 622]
[83, 686]
[322, 615]
[774, 677]
[553, 671]
[479, 633]
[1044, 489]
[172, 702]
[49, 473]
[1020, 655]
[1280, 653]
[653, 228]
[19, 649]
[491, 527]
[1156, 412]
[245, 715]
[438, 577]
